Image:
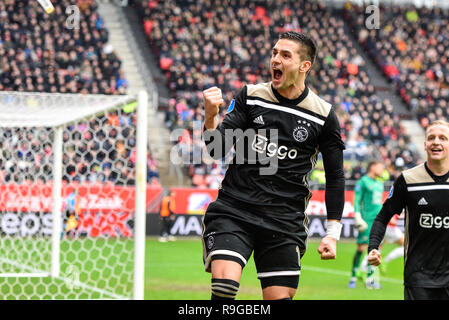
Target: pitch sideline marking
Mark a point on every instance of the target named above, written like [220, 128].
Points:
[345, 274]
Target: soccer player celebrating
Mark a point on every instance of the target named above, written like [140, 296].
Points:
[265, 213]
[423, 192]
[367, 204]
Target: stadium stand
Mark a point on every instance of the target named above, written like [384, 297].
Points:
[38, 53]
[411, 48]
[207, 43]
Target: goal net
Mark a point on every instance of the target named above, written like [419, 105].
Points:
[72, 196]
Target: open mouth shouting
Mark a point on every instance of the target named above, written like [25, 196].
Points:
[276, 75]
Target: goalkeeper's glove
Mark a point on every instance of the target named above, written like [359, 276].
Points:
[359, 223]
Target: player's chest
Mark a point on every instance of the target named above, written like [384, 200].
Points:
[375, 194]
[428, 207]
[375, 187]
[288, 125]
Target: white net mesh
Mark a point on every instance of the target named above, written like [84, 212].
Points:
[96, 256]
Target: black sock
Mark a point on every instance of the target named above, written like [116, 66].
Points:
[224, 289]
[356, 262]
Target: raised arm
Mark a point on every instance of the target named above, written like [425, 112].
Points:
[331, 147]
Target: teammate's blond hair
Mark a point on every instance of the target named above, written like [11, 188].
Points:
[436, 123]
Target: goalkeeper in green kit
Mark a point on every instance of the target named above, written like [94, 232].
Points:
[367, 204]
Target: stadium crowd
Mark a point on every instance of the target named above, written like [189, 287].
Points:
[412, 49]
[39, 52]
[200, 44]
[98, 150]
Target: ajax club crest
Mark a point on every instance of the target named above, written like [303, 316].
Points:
[300, 134]
[210, 242]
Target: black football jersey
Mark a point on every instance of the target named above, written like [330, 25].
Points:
[425, 200]
[276, 142]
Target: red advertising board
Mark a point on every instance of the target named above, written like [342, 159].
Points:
[107, 224]
[105, 209]
[94, 198]
[317, 204]
[195, 201]
[89, 224]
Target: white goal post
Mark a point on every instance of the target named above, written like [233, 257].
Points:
[73, 195]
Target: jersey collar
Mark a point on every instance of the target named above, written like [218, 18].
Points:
[286, 101]
[436, 178]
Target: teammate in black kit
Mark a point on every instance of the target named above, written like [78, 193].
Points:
[423, 192]
[284, 122]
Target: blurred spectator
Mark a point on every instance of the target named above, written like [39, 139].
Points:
[318, 175]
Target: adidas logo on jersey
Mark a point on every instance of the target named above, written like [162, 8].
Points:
[422, 202]
[259, 120]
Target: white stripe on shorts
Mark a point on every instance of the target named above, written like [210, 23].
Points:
[224, 252]
[278, 273]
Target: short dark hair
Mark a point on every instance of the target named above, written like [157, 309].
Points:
[372, 163]
[307, 49]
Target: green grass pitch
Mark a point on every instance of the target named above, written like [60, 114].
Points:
[174, 271]
[90, 269]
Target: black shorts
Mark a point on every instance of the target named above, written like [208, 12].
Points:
[418, 293]
[226, 237]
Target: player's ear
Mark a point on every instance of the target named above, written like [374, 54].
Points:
[305, 66]
[425, 145]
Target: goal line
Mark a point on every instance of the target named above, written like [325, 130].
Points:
[36, 273]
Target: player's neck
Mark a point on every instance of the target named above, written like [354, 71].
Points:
[438, 168]
[294, 91]
[372, 176]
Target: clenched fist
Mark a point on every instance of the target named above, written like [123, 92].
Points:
[328, 248]
[374, 258]
[213, 99]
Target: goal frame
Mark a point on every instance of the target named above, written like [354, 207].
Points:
[9, 121]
